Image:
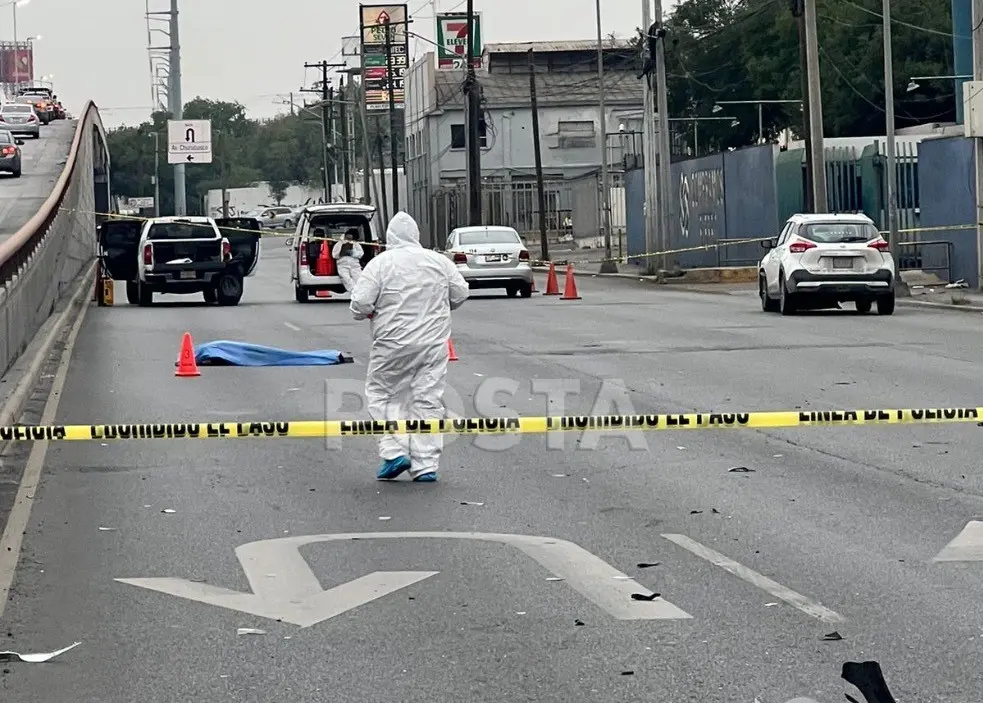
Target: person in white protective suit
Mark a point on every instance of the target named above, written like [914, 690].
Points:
[347, 254]
[408, 293]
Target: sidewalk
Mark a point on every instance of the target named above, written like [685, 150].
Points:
[926, 290]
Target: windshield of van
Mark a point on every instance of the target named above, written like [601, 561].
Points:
[838, 232]
[180, 230]
[495, 236]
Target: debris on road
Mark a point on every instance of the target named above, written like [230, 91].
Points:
[107, 529]
[646, 564]
[554, 578]
[578, 623]
[169, 511]
[35, 658]
[385, 517]
[250, 631]
[643, 596]
[832, 636]
[740, 470]
[471, 502]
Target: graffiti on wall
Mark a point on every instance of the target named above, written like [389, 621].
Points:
[701, 197]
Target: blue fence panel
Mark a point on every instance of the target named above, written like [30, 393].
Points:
[946, 181]
[635, 213]
[751, 203]
[697, 214]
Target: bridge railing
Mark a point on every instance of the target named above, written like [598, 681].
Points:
[44, 258]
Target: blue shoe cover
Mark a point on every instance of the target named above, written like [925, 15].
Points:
[392, 468]
[429, 477]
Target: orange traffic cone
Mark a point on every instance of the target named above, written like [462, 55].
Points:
[186, 364]
[451, 354]
[552, 286]
[570, 287]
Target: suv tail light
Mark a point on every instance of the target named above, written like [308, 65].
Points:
[460, 258]
[524, 255]
[148, 254]
[226, 250]
[800, 246]
[303, 253]
[880, 245]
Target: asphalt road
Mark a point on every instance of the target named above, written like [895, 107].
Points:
[848, 519]
[42, 162]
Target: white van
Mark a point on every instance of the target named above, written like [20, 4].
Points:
[335, 219]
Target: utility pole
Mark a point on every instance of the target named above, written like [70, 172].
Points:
[665, 150]
[346, 168]
[608, 265]
[327, 115]
[325, 92]
[798, 11]
[368, 183]
[156, 173]
[891, 171]
[972, 92]
[472, 95]
[537, 149]
[815, 102]
[176, 107]
[382, 174]
[391, 90]
[650, 149]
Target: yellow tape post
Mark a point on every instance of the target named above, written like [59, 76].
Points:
[306, 429]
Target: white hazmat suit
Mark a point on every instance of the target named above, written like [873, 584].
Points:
[408, 292]
[349, 265]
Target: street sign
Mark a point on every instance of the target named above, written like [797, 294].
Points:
[189, 142]
[378, 80]
[284, 588]
[452, 40]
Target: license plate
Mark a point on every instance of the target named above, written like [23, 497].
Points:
[494, 258]
[188, 274]
[842, 263]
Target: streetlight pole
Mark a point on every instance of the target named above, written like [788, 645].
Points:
[608, 265]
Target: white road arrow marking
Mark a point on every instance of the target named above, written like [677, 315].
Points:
[967, 546]
[284, 587]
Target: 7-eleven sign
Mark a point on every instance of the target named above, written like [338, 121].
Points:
[452, 38]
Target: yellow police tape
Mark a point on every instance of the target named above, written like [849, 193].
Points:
[490, 425]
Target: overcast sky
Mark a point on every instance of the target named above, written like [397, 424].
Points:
[252, 51]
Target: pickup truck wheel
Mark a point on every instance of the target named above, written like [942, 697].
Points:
[229, 289]
[211, 295]
[132, 293]
[145, 296]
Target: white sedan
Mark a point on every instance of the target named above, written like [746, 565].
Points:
[491, 257]
[820, 261]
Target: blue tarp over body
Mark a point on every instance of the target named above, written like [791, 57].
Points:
[224, 353]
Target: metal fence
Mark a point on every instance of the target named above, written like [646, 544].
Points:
[511, 204]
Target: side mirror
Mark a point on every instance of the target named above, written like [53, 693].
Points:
[19, 142]
[769, 244]
[289, 242]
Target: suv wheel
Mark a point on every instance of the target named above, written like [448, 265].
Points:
[786, 301]
[767, 303]
[885, 305]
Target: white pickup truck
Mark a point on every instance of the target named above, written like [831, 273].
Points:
[181, 255]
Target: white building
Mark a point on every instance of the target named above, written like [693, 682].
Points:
[567, 96]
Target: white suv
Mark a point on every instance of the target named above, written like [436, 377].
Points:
[819, 261]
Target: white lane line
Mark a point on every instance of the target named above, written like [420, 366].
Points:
[20, 513]
[291, 326]
[796, 600]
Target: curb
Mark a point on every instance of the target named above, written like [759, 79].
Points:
[941, 306]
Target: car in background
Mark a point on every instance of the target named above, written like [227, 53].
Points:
[19, 118]
[491, 257]
[276, 217]
[335, 219]
[819, 261]
[43, 105]
[10, 156]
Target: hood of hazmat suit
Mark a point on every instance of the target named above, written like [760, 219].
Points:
[410, 291]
